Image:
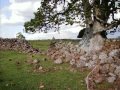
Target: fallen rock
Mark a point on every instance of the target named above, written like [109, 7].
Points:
[58, 61]
[40, 68]
[35, 61]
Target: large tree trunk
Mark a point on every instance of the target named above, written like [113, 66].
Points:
[96, 16]
[92, 41]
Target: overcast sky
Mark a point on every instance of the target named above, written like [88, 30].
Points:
[13, 14]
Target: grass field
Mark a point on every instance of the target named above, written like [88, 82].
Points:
[17, 74]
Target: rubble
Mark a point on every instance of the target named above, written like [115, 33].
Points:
[108, 58]
[58, 61]
[17, 45]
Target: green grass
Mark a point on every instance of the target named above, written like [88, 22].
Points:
[40, 44]
[17, 74]
[20, 76]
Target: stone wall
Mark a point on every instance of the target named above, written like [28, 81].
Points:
[17, 45]
[107, 59]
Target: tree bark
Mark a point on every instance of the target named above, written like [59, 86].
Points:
[92, 40]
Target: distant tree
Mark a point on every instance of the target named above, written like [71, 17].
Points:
[94, 14]
[20, 36]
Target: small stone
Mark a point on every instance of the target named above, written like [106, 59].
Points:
[80, 63]
[117, 71]
[98, 79]
[58, 61]
[105, 68]
[41, 86]
[110, 60]
[103, 61]
[72, 62]
[82, 58]
[40, 68]
[112, 68]
[114, 53]
[111, 79]
[35, 61]
[95, 57]
[111, 74]
[91, 64]
[103, 56]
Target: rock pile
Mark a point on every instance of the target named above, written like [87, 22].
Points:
[108, 59]
[17, 45]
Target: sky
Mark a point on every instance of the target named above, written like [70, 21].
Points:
[13, 14]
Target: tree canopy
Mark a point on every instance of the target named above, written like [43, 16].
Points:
[53, 13]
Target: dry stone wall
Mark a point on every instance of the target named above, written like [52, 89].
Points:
[17, 45]
[107, 59]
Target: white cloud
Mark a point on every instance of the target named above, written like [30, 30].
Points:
[64, 33]
[20, 11]
[19, 1]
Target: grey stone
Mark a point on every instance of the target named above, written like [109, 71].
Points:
[110, 60]
[117, 71]
[72, 62]
[111, 79]
[40, 68]
[80, 63]
[91, 64]
[103, 55]
[112, 68]
[58, 61]
[35, 61]
[105, 68]
[94, 57]
[114, 53]
[111, 74]
[82, 58]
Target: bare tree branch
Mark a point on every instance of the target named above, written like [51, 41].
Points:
[115, 24]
